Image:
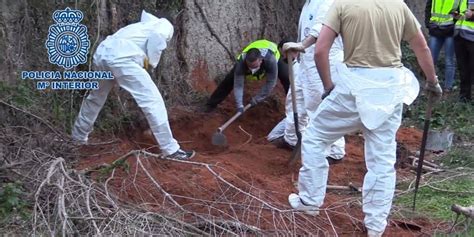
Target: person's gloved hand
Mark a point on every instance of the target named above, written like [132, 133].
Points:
[146, 63]
[326, 93]
[434, 89]
[240, 110]
[253, 102]
[298, 47]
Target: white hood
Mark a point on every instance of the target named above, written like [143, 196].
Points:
[163, 26]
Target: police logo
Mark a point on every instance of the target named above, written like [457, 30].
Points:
[68, 42]
[263, 52]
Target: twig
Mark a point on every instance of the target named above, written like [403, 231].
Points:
[248, 134]
[415, 160]
[349, 187]
[220, 178]
[427, 168]
[450, 191]
[466, 211]
[35, 116]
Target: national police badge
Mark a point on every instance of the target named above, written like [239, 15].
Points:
[68, 42]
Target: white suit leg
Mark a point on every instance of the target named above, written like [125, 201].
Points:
[312, 92]
[337, 149]
[290, 131]
[138, 83]
[379, 181]
[90, 108]
[337, 115]
[278, 131]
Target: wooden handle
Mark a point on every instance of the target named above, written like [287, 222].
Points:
[226, 124]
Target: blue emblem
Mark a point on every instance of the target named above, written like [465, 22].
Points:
[310, 17]
[68, 42]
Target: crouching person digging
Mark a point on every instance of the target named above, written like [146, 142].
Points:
[126, 53]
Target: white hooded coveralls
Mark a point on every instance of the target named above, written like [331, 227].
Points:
[308, 85]
[369, 99]
[124, 54]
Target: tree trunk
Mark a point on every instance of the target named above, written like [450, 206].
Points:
[208, 34]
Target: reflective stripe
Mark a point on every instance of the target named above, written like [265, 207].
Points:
[445, 16]
[468, 28]
[255, 77]
[462, 23]
[440, 13]
[447, 23]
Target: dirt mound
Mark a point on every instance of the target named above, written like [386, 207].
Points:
[248, 181]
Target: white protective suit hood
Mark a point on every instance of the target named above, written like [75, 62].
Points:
[164, 27]
[162, 31]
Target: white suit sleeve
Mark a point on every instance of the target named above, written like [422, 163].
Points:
[320, 16]
[154, 46]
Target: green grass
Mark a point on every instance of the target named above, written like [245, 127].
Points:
[446, 114]
[437, 204]
[459, 157]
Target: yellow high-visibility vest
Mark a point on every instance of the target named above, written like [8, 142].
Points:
[463, 23]
[440, 11]
[260, 44]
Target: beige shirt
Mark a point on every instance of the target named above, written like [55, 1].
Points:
[372, 30]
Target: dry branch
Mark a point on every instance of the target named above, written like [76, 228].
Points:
[466, 211]
[349, 187]
[425, 162]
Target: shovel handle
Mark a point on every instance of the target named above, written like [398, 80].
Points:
[226, 124]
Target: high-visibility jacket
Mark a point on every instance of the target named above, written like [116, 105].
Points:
[463, 23]
[441, 11]
[262, 45]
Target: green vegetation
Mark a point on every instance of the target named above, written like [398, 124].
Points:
[455, 186]
[12, 201]
[436, 198]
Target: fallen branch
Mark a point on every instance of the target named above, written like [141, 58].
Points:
[426, 168]
[425, 162]
[468, 212]
[349, 187]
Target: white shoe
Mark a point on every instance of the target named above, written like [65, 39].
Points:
[373, 233]
[296, 203]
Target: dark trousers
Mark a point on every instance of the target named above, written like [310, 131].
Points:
[226, 86]
[465, 59]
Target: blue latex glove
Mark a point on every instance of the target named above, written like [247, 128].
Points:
[240, 110]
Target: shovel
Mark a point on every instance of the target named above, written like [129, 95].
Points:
[219, 139]
[297, 150]
[426, 128]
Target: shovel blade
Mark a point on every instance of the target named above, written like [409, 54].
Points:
[219, 139]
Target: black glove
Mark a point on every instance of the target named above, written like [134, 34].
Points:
[326, 93]
[240, 110]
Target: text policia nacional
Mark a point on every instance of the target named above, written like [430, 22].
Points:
[67, 80]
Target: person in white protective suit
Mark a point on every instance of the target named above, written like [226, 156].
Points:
[126, 53]
[371, 86]
[308, 85]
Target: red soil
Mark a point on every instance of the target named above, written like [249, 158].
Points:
[253, 165]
